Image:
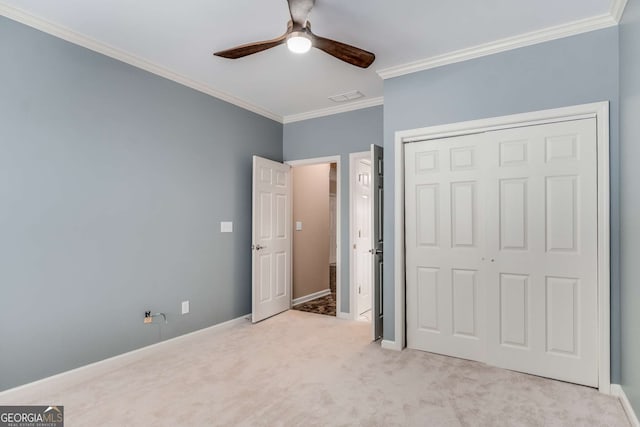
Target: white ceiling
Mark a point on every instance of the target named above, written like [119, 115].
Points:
[176, 39]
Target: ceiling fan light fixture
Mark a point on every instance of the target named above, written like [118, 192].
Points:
[299, 42]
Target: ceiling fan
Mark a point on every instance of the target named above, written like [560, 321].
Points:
[300, 39]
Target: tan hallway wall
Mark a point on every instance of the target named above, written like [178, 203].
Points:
[311, 244]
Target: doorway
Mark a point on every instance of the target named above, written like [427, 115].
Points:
[315, 249]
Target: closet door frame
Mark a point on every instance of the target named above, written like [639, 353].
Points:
[600, 111]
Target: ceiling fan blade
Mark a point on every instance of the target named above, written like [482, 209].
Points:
[250, 48]
[347, 53]
[300, 10]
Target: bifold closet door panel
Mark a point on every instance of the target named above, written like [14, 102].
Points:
[444, 193]
[542, 289]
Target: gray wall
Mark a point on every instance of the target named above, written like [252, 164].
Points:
[630, 199]
[113, 182]
[339, 134]
[560, 73]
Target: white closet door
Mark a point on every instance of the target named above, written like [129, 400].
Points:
[444, 194]
[542, 287]
[501, 248]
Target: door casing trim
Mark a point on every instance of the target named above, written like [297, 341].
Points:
[598, 110]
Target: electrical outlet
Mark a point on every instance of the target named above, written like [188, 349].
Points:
[185, 307]
[147, 317]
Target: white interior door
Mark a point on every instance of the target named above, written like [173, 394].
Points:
[362, 243]
[445, 189]
[271, 230]
[543, 317]
[501, 244]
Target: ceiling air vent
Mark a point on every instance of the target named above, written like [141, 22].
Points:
[349, 96]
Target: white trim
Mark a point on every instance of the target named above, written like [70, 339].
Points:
[101, 367]
[618, 391]
[336, 160]
[604, 243]
[617, 9]
[316, 161]
[310, 297]
[71, 36]
[353, 303]
[600, 111]
[503, 45]
[350, 106]
[390, 345]
[343, 315]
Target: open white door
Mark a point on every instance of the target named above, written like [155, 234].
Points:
[271, 239]
[361, 234]
[377, 188]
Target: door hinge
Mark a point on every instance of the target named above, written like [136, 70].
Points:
[359, 290]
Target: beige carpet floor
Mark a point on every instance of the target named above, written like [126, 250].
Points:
[302, 369]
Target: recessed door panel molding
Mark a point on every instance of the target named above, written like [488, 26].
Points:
[562, 315]
[281, 179]
[517, 258]
[514, 310]
[266, 174]
[428, 299]
[282, 270]
[464, 303]
[462, 158]
[513, 153]
[513, 214]
[427, 162]
[266, 222]
[561, 147]
[266, 277]
[427, 215]
[562, 214]
[463, 210]
[282, 228]
[271, 239]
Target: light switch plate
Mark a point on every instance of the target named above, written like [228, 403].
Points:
[298, 225]
[226, 227]
[185, 307]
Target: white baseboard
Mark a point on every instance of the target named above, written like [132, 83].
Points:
[103, 366]
[310, 297]
[343, 315]
[618, 391]
[390, 345]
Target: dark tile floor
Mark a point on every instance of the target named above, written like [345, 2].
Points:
[323, 305]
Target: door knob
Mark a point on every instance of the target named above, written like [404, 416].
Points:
[375, 251]
[257, 247]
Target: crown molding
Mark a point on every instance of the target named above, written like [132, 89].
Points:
[617, 9]
[509, 43]
[350, 106]
[128, 58]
